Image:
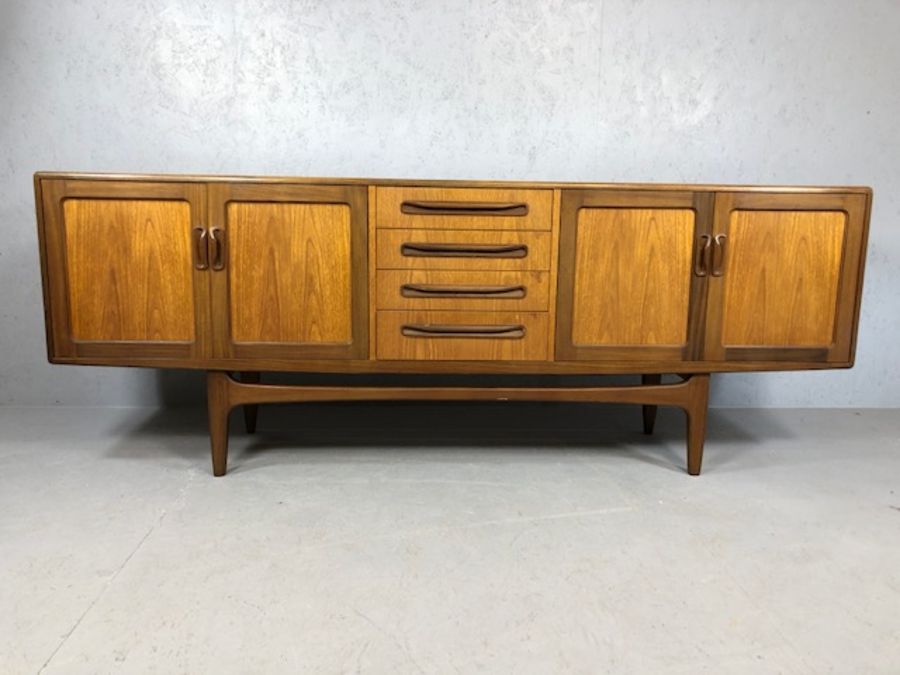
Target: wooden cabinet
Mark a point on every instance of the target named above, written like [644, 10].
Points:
[288, 271]
[628, 283]
[785, 276]
[369, 276]
[122, 277]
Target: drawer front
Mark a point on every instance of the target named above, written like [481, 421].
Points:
[453, 289]
[463, 208]
[464, 336]
[462, 250]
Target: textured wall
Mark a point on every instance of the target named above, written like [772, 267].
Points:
[799, 91]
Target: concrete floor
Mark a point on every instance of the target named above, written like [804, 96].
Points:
[440, 538]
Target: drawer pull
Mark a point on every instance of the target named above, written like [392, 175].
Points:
[510, 332]
[422, 208]
[464, 250]
[432, 291]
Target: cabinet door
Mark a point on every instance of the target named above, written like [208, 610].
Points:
[289, 271]
[627, 283]
[786, 275]
[123, 270]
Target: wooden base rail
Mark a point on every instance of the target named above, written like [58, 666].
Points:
[224, 393]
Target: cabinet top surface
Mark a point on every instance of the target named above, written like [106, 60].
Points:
[386, 182]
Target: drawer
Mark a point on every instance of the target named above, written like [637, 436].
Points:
[466, 336]
[463, 208]
[462, 250]
[454, 289]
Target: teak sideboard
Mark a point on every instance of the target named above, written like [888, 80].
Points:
[241, 275]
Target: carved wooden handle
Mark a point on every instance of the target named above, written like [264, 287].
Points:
[201, 252]
[412, 250]
[512, 332]
[217, 239]
[434, 291]
[718, 261]
[701, 266]
[426, 208]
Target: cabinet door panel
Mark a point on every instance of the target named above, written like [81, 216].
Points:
[789, 276]
[293, 284]
[632, 276]
[125, 285]
[290, 272]
[120, 268]
[627, 288]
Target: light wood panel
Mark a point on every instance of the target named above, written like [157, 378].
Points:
[531, 345]
[476, 209]
[389, 253]
[631, 255]
[290, 270]
[129, 271]
[454, 289]
[781, 277]
[632, 276]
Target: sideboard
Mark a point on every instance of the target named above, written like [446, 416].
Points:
[242, 275]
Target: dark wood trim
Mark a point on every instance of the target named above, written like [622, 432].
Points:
[574, 200]
[45, 280]
[864, 247]
[649, 411]
[356, 198]
[251, 410]
[313, 365]
[418, 182]
[226, 393]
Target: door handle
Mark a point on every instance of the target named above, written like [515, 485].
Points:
[201, 252]
[718, 261]
[701, 265]
[217, 241]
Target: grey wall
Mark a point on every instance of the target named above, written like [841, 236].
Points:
[797, 91]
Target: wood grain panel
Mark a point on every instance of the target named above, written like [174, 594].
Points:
[290, 269]
[129, 270]
[389, 256]
[632, 276]
[535, 294]
[392, 344]
[782, 274]
[537, 203]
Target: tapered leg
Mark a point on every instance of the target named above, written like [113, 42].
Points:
[251, 410]
[219, 408]
[650, 410]
[695, 411]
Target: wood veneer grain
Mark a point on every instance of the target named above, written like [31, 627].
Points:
[290, 272]
[632, 276]
[783, 273]
[129, 264]
[534, 285]
[389, 252]
[537, 206]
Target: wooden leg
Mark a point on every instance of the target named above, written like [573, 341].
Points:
[251, 410]
[650, 410]
[695, 410]
[219, 407]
